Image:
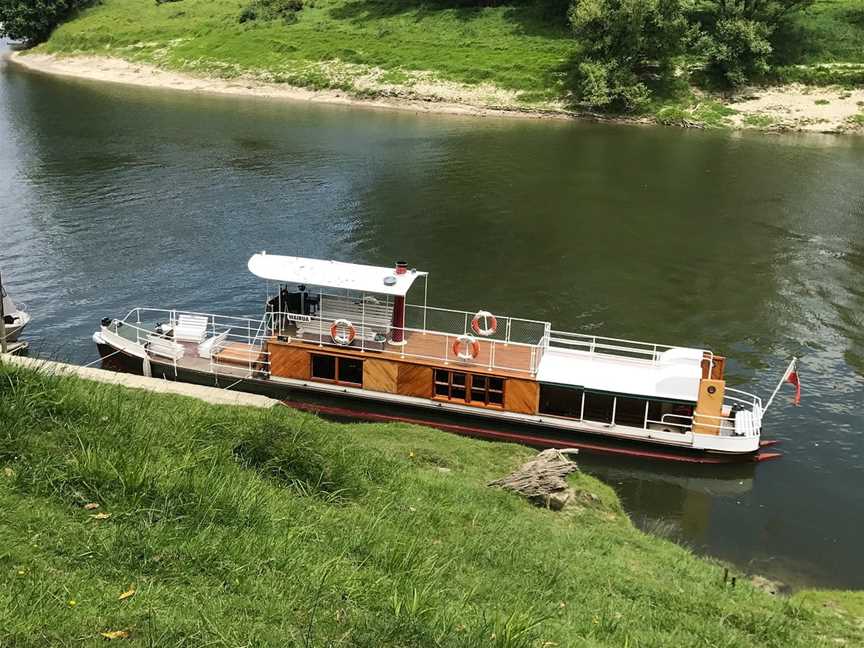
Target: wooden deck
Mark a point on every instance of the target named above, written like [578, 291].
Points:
[435, 350]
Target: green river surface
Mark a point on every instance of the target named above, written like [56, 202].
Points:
[749, 244]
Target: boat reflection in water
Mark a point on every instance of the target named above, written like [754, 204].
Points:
[678, 502]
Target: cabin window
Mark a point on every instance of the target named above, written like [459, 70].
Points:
[599, 407]
[450, 384]
[631, 411]
[323, 367]
[348, 371]
[487, 390]
[561, 401]
[469, 388]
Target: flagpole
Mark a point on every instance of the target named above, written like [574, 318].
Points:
[786, 374]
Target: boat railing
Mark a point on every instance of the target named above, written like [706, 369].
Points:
[458, 322]
[439, 347]
[592, 344]
[250, 359]
[726, 423]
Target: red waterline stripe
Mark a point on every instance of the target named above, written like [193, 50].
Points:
[530, 440]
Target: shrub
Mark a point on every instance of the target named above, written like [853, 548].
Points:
[734, 38]
[735, 50]
[286, 10]
[33, 21]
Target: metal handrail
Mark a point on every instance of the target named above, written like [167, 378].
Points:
[321, 337]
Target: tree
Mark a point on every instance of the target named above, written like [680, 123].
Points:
[734, 36]
[34, 20]
[624, 44]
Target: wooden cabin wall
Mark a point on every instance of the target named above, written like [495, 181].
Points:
[380, 376]
[414, 380]
[288, 362]
[710, 406]
[715, 370]
[521, 396]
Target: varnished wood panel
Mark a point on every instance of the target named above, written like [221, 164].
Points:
[238, 353]
[288, 362]
[709, 406]
[521, 396]
[430, 350]
[380, 375]
[716, 371]
[414, 380]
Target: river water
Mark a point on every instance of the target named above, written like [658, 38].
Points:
[751, 245]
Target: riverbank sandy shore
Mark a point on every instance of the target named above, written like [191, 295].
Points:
[454, 99]
[792, 108]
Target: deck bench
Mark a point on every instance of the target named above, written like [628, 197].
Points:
[160, 346]
[190, 328]
[212, 345]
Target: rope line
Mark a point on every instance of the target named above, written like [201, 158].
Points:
[90, 364]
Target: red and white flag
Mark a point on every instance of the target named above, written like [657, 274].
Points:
[792, 379]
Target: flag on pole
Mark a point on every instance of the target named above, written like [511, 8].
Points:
[792, 379]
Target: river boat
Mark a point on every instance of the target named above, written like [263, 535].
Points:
[15, 317]
[332, 331]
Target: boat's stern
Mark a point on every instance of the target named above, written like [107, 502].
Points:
[726, 419]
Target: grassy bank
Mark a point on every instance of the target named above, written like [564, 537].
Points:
[513, 55]
[236, 526]
[357, 45]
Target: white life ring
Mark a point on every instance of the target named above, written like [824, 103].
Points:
[490, 323]
[466, 347]
[342, 332]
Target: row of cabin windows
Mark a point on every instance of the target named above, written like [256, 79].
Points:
[607, 408]
[489, 391]
[469, 388]
[452, 385]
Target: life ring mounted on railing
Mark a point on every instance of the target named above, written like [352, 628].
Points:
[465, 347]
[342, 332]
[484, 323]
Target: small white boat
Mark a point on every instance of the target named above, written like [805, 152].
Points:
[14, 317]
[345, 331]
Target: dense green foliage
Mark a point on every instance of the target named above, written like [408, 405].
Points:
[625, 42]
[286, 10]
[629, 43]
[33, 20]
[735, 37]
[238, 526]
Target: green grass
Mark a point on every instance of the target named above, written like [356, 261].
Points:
[823, 45]
[518, 46]
[831, 31]
[760, 121]
[239, 526]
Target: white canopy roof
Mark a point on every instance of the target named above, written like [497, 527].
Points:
[332, 274]
[675, 375]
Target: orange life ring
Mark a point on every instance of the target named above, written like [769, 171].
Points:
[472, 347]
[346, 338]
[491, 323]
